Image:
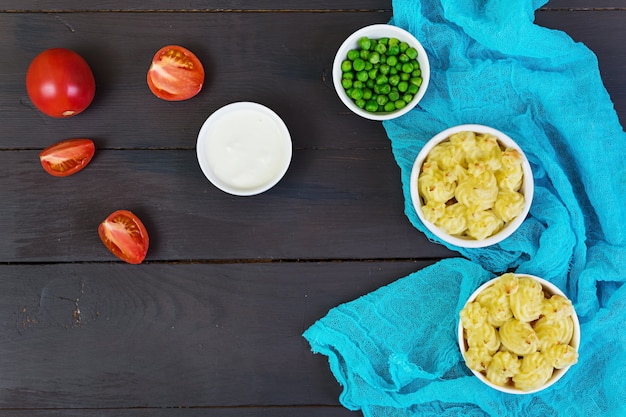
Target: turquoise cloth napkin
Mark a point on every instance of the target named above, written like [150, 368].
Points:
[394, 351]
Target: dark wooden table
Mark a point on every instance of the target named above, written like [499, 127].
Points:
[211, 323]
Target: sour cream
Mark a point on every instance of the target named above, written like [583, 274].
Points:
[244, 148]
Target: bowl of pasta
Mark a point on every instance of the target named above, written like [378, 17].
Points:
[471, 186]
[519, 333]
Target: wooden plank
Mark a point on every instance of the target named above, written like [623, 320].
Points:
[258, 5]
[603, 33]
[193, 6]
[259, 60]
[246, 411]
[330, 205]
[291, 76]
[586, 4]
[102, 336]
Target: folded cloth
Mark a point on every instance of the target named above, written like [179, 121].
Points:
[394, 351]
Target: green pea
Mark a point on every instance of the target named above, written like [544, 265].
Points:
[399, 104]
[357, 94]
[353, 54]
[371, 106]
[358, 65]
[381, 74]
[382, 79]
[364, 43]
[416, 81]
[393, 50]
[384, 89]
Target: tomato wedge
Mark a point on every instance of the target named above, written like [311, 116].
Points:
[125, 236]
[67, 157]
[175, 74]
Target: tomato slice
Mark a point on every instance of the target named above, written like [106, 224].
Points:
[125, 236]
[67, 157]
[175, 74]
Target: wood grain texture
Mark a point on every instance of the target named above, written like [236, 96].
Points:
[258, 5]
[121, 336]
[245, 411]
[218, 6]
[247, 57]
[259, 61]
[328, 206]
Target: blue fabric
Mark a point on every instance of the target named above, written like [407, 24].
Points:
[394, 351]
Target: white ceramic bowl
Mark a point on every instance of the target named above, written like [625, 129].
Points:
[377, 32]
[549, 289]
[244, 148]
[527, 188]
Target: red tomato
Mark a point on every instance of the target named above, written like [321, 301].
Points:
[175, 74]
[60, 83]
[125, 236]
[67, 157]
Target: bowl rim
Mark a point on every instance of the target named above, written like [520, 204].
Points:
[527, 187]
[203, 139]
[548, 287]
[371, 31]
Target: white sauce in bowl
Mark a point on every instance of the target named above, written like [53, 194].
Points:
[244, 148]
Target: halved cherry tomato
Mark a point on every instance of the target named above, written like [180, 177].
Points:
[67, 157]
[175, 74]
[60, 83]
[125, 236]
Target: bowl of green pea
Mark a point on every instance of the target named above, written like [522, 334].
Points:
[381, 72]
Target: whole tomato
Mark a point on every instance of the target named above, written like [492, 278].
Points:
[60, 83]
